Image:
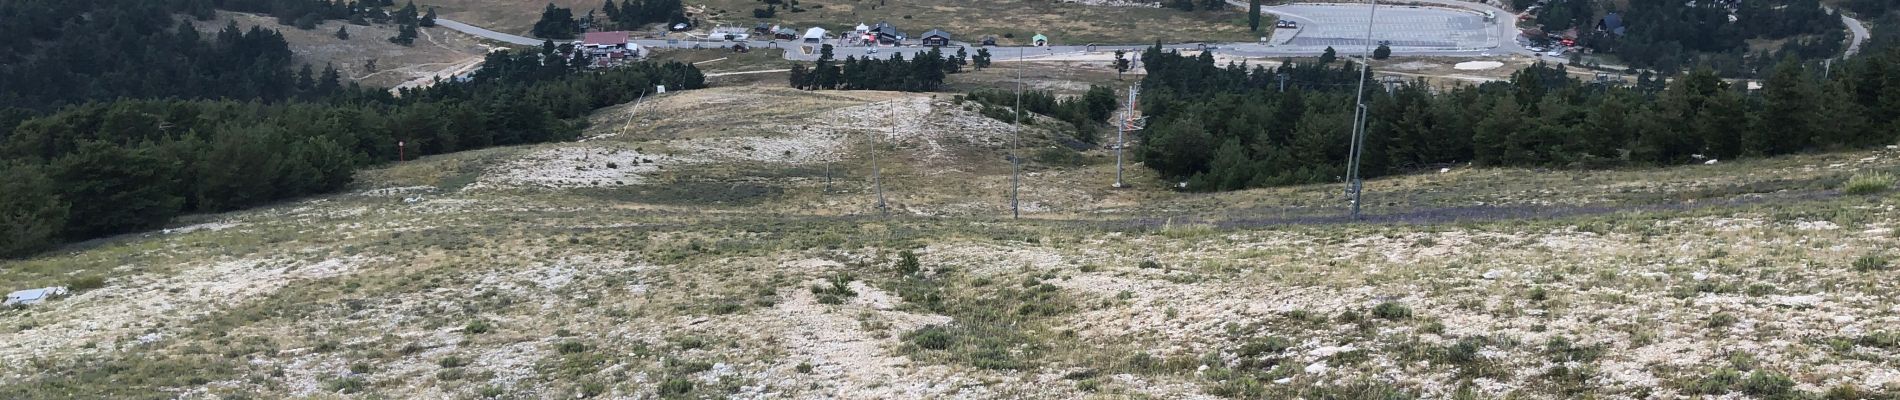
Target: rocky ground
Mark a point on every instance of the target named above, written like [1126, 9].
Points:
[733, 249]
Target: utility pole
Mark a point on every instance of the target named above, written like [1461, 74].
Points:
[1016, 128]
[1283, 77]
[1126, 123]
[1354, 186]
[877, 176]
[631, 111]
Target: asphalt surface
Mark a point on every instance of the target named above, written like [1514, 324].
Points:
[1453, 29]
[1859, 32]
[487, 34]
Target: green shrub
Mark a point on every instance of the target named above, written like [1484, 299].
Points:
[931, 337]
[477, 327]
[1767, 384]
[1150, 264]
[88, 282]
[1864, 184]
[803, 368]
[1870, 263]
[689, 342]
[1263, 346]
[1391, 311]
[451, 362]
[1882, 339]
[676, 386]
[344, 385]
[592, 389]
[1722, 320]
[1719, 382]
[907, 263]
[570, 347]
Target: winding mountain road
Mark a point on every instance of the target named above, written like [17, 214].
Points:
[1858, 31]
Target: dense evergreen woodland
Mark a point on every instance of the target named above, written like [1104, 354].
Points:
[561, 23]
[62, 52]
[220, 122]
[1671, 36]
[1220, 128]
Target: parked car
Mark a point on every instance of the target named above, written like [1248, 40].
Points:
[1285, 24]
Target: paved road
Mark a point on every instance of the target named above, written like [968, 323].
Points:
[1859, 32]
[487, 34]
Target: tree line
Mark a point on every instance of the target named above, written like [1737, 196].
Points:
[1232, 127]
[63, 52]
[561, 23]
[102, 168]
[925, 72]
[64, 55]
[1668, 36]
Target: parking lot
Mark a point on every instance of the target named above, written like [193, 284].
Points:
[1344, 27]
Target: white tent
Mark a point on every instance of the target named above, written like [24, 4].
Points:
[814, 35]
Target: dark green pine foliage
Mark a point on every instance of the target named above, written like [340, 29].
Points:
[128, 165]
[1230, 127]
[556, 23]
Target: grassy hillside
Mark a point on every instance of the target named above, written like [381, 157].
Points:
[725, 243]
[438, 51]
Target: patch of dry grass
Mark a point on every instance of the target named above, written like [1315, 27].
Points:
[438, 51]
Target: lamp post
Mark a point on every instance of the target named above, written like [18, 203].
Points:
[1355, 186]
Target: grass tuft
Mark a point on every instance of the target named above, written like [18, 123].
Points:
[1870, 183]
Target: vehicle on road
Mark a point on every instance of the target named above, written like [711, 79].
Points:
[1285, 24]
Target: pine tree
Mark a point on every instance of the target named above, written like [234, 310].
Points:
[1122, 63]
[1491, 137]
[555, 23]
[1253, 15]
[1383, 52]
[32, 214]
[343, 32]
[406, 15]
[405, 35]
[1792, 111]
[982, 58]
[1329, 56]
[116, 189]
[331, 80]
[428, 20]
[306, 79]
